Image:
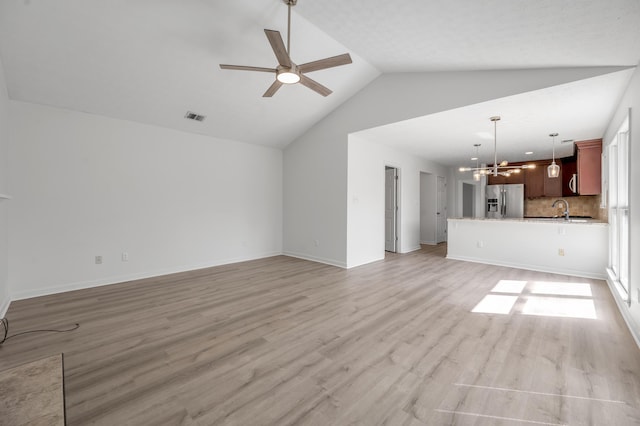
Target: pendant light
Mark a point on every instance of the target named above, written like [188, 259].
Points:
[553, 170]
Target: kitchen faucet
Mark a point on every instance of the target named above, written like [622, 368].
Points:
[566, 207]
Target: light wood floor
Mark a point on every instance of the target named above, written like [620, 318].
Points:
[285, 341]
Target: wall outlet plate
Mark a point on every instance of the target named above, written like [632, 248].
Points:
[98, 260]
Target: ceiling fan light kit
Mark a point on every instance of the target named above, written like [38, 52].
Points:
[287, 72]
[503, 168]
[288, 75]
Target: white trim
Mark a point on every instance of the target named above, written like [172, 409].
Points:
[539, 268]
[4, 307]
[330, 262]
[130, 277]
[411, 249]
[624, 311]
[429, 243]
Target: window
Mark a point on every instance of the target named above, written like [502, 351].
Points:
[618, 155]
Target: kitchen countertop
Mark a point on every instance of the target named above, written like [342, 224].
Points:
[547, 220]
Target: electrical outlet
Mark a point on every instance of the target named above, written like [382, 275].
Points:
[480, 244]
[316, 243]
[98, 260]
[125, 256]
[560, 252]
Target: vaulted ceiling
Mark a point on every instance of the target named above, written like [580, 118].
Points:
[152, 61]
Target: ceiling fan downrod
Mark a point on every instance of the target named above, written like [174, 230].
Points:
[289, 3]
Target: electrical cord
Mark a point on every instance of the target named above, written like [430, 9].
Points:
[5, 325]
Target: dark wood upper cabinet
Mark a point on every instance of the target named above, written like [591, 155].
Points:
[586, 165]
[589, 166]
[534, 181]
[538, 184]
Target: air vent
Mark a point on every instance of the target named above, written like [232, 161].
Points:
[567, 141]
[193, 116]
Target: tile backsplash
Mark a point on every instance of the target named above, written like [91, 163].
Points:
[583, 205]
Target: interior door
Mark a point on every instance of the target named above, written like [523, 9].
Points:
[391, 209]
[441, 210]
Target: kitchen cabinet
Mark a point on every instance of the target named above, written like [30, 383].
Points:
[589, 166]
[538, 184]
[534, 182]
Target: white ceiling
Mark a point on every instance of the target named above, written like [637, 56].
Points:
[579, 111]
[427, 35]
[152, 60]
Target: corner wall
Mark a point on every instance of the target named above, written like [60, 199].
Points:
[316, 167]
[631, 99]
[366, 197]
[86, 185]
[4, 189]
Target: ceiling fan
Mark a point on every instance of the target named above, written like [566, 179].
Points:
[287, 72]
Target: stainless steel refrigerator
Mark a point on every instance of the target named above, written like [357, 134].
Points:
[505, 201]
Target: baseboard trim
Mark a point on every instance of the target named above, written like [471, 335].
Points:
[411, 249]
[624, 311]
[330, 262]
[4, 307]
[538, 268]
[131, 277]
[429, 243]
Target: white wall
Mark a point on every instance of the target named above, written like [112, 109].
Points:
[4, 142]
[86, 185]
[365, 194]
[631, 99]
[315, 165]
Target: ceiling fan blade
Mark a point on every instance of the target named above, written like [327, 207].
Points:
[334, 61]
[278, 47]
[314, 85]
[245, 68]
[272, 89]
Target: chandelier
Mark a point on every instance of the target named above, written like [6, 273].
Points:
[503, 168]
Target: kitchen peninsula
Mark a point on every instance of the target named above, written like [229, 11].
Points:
[570, 247]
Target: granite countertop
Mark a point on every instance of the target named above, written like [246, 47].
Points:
[578, 220]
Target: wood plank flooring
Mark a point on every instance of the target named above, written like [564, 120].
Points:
[283, 341]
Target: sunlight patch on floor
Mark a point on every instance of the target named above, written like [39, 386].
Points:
[509, 286]
[541, 298]
[560, 289]
[495, 304]
[560, 307]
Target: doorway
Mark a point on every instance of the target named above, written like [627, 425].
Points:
[441, 210]
[391, 209]
[428, 221]
[468, 200]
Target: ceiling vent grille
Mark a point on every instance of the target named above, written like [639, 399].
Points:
[193, 116]
[567, 141]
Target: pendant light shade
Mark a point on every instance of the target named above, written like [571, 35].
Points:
[553, 170]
